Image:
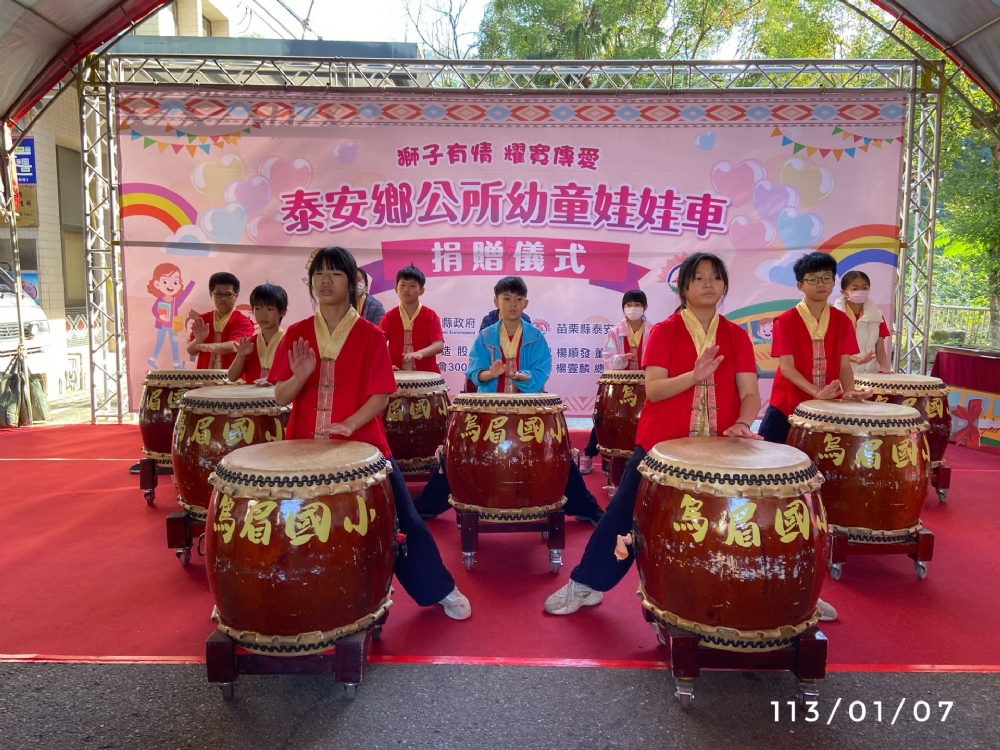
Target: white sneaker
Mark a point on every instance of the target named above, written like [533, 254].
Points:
[586, 464]
[826, 611]
[571, 597]
[456, 605]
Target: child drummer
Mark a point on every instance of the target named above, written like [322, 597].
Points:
[255, 355]
[412, 330]
[215, 334]
[511, 356]
[701, 381]
[869, 325]
[337, 345]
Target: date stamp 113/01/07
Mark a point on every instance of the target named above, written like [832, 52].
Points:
[858, 711]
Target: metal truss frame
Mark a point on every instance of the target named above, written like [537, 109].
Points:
[101, 76]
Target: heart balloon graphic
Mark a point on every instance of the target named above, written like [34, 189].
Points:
[224, 225]
[747, 234]
[210, 178]
[267, 232]
[812, 181]
[736, 181]
[798, 230]
[705, 141]
[346, 152]
[253, 193]
[769, 198]
[284, 176]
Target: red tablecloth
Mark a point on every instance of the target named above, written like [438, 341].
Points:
[971, 371]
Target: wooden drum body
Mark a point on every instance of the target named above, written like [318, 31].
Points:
[876, 463]
[212, 423]
[507, 455]
[300, 543]
[620, 396]
[416, 420]
[161, 400]
[731, 541]
[926, 394]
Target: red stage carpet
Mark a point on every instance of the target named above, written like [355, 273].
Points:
[86, 573]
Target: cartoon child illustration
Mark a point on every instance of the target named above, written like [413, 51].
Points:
[764, 329]
[168, 287]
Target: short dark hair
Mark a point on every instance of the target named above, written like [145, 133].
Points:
[689, 268]
[513, 284]
[813, 263]
[634, 295]
[847, 278]
[221, 278]
[335, 259]
[411, 273]
[270, 294]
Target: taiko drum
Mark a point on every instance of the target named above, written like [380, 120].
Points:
[730, 540]
[416, 420]
[212, 423]
[876, 462]
[507, 455]
[161, 399]
[300, 543]
[620, 396]
[928, 395]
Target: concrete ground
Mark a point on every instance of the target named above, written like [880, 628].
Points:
[154, 707]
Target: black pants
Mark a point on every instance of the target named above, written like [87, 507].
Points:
[591, 449]
[421, 572]
[774, 427]
[433, 500]
[599, 568]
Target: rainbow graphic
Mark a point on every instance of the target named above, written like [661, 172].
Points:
[749, 318]
[157, 202]
[868, 243]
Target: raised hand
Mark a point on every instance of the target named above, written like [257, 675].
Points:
[245, 346]
[497, 369]
[200, 330]
[302, 359]
[410, 357]
[830, 391]
[706, 364]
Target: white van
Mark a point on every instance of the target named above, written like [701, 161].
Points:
[37, 336]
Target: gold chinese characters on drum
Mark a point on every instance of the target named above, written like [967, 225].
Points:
[161, 400]
[416, 420]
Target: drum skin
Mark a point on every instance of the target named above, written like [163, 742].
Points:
[874, 480]
[212, 423]
[314, 563]
[416, 420]
[928, 395]
[620, 397]
[751, 563]
[506, 452]
[161, 397]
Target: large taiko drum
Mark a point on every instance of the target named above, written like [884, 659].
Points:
[161, 400]
[300, 543]
[507, 455]
[620, 396]
[730, 540]
[876, 463]
[928, 395]
[416, 420]
[212, 423]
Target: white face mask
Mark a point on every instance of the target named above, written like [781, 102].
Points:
[634, 313]
[859, 297]
[361, 289]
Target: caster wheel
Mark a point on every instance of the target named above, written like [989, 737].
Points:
[351, 690]
[554, 567]
[808, 692]
[468, 559]
[555, 560]
[184, 555]
[835, 571]
[942, 496]
[228, 690]
[149, 496]
[921, 570]
[685, 694]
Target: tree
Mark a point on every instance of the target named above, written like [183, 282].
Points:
[439, 26]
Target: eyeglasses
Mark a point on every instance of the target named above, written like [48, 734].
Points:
[814, 280]
[223, 295]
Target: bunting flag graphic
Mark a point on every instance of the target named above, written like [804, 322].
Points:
[861, 143]
[179, 140]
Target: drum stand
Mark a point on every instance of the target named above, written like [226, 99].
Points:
[347, 661]
[613, 468]
[553, 531]
[919, 548]
[148, 477]
[941, 481]
[806, 659]
[183, 530]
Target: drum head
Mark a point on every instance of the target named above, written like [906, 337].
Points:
[508, 403]
[857, 417]
[631, 377]
[300, 468]
[185, 378]
[731, 467]
[232, 399]
[419, 383]
[900, 384]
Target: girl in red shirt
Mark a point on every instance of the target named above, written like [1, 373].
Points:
[352, 354]
[701, 380]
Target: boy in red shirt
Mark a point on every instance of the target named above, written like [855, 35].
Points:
[215, 334]
[412, 330]
[813, 343]
[255, 354]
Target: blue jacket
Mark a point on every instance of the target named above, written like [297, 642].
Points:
[535, 359]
